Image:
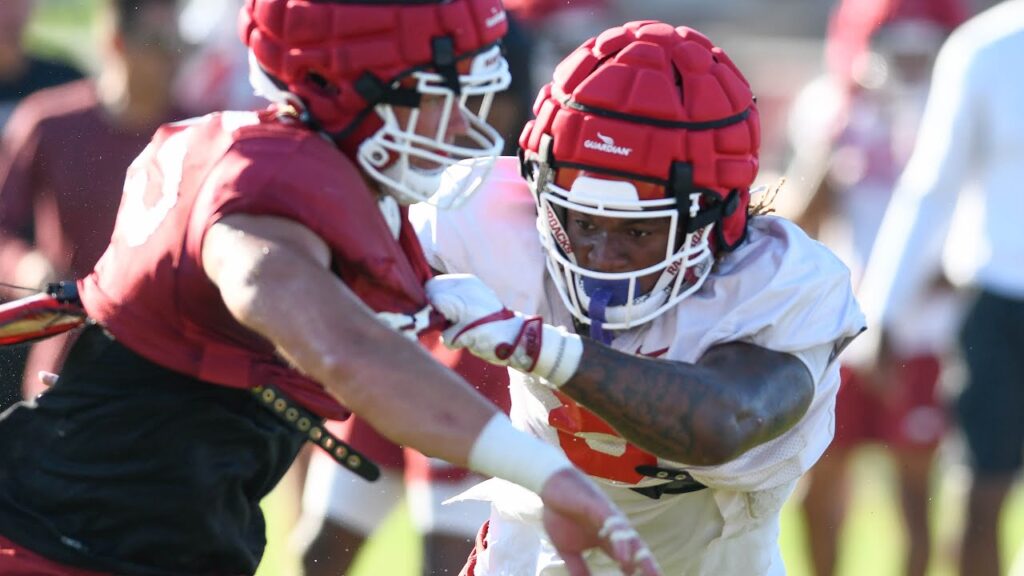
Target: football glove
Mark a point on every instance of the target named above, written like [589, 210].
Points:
[481, 324]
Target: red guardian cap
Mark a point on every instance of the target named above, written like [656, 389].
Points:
[665, 112]
[347, 64]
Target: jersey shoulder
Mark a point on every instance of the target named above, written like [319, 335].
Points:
[777, 248]
[492, 235]
[264, 166]
[779, 289]
[495, 223]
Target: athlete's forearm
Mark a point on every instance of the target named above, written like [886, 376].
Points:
[281, 289]
[736, 397]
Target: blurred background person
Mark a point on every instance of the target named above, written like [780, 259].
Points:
[971, 144]
[879, 55]
[65, 152]
[22, 73]
[215, 73]
[555, 28]
[341, 511]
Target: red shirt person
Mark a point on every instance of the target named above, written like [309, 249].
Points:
[64, 154]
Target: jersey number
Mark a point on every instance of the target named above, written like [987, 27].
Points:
[594, 446]
[141, 213]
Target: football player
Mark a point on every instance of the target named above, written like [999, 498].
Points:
[268, 251]
[675, 343]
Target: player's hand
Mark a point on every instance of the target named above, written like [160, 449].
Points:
[47, 379]
[409, 325]
[482, 325]
[579, 517]
[462, 298]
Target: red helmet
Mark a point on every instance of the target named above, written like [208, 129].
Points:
[643, 121]
[346, 64]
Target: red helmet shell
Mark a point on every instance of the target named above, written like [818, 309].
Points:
[319, 49]
[642, 97]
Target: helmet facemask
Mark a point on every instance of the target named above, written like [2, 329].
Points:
[622, 299]
[413, 166]
[645, 121]
[358, 72]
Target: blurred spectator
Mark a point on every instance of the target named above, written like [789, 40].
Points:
[340, 511]
[972, 132]
[556, 28]
[215, 75]
[65, 152]
[511, 109]
[21, 73]
[879, 55]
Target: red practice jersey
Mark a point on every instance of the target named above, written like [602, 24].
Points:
[149, 288]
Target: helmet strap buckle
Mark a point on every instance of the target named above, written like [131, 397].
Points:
[444, 62]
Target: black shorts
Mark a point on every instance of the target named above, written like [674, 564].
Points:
[991, 407]
[129, 468]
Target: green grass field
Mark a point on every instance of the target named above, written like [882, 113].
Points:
[872, 541]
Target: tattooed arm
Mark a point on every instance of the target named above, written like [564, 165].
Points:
[735, 397]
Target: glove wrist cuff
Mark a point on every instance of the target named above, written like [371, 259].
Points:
[560, 355]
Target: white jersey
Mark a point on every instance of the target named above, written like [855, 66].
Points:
[779, 290]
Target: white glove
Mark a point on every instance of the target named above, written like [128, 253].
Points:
[482, 325]
[408, 325]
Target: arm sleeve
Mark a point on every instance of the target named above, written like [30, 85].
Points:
[908, 248]
[242, 183]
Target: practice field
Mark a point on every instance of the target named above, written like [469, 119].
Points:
[872, 540]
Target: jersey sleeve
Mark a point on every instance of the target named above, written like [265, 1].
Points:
[427, 220]
[789, 294]
[293, 179]
[784, 459]
[783, 291]
[489, 235]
